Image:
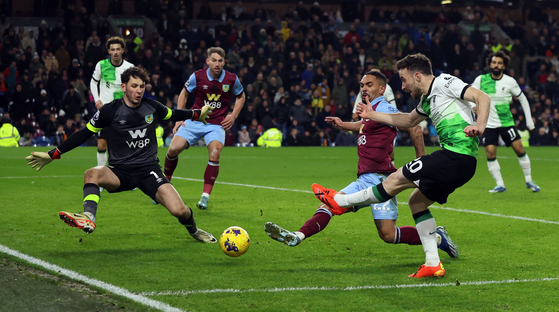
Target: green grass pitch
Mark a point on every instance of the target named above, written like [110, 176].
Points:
[508, 241]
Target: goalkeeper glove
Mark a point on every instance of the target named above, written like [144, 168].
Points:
[40, 159]
[202, 114]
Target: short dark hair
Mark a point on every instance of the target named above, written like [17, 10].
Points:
[380, 76]
[115, 40]
[416, 63]
[136, 72]
[502, 55]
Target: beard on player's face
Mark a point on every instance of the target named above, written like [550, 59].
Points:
[496, 71]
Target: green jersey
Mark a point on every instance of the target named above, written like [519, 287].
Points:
[450, 113]
[501, 92]
[105, 83]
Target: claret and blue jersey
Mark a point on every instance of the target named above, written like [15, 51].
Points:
[214, 92]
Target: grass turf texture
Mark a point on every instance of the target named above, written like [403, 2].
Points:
[141, 247]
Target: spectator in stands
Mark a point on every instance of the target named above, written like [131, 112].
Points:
[59, 136]
[316, 103]
[293, 138]
[255, 131]
[324, 91]
[306, 139]
[243, 136]
[266, 115]
[542, 138]
[344, 138]
[352, 33]
[71, 103]
[321, 139]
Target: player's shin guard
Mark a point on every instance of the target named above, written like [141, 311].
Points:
[170, 166]
[101, 158]
[407, 235]
[210, 175]
[372, 195]
[317, 222]
[524, 162]
[90, 199]
[427, 230]
[189, 223]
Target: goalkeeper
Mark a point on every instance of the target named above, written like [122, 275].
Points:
[130, 123]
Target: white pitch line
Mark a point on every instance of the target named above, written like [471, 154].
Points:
[492, 214]
[40, 177]
[309, 192]
[349, 288]
[400, 202]
[538, 159]
[82, 278]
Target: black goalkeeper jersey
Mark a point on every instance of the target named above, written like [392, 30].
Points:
[131, 131]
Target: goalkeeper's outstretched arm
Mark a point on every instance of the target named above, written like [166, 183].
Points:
[40, 159]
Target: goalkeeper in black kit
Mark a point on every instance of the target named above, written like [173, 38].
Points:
[130, 123]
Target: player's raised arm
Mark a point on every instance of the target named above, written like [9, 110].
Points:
[344, 125]
[400, 120]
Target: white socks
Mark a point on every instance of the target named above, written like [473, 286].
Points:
[427, 233]
[524, 162]
[495, 171]
[300, 235]
[363, 197]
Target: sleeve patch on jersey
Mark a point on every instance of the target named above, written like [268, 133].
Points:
[92, 128]
[169, 114]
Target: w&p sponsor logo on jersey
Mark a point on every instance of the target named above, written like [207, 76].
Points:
[138, 140]
[213, 100]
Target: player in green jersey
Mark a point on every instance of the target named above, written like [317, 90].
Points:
[501, 88]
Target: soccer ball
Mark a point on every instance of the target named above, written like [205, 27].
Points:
[234, 241]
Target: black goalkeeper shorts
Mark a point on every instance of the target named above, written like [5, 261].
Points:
[147, 178]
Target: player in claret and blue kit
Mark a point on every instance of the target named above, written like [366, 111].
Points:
[130, 122]
[213, 87]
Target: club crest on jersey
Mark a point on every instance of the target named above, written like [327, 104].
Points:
[225, 88]
[149, 118]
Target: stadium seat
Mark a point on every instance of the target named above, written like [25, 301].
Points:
[41, 141]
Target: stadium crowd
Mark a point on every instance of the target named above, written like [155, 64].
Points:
[296, 69]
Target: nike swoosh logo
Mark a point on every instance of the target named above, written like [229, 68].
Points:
[431, 233]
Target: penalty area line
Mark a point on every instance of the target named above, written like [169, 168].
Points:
[90, 281]
[349, 288]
